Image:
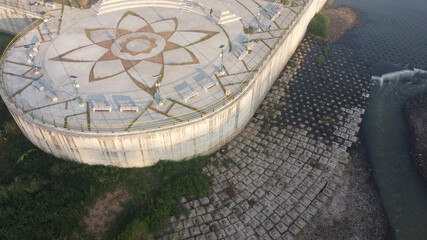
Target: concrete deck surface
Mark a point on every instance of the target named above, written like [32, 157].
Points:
[116, 58]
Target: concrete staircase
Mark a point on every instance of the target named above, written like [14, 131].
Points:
[105, 6]
[228, 17]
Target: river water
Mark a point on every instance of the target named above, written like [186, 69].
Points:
[392, 38]
[402, 189]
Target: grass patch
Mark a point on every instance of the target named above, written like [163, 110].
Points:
[319, 25]
[227, 162]
[159, 198]
[291, 64]
[45, 198]
[320, 60]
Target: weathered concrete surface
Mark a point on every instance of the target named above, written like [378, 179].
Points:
[15, 15]
[185, 140]
[13, 21]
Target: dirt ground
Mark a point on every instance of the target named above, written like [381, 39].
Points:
[103, 211]
[342, 19]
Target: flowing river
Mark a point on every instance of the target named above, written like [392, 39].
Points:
[392, 37]
[402, 189]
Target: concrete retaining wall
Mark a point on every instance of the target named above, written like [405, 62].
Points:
[13, 21]
[145, 148]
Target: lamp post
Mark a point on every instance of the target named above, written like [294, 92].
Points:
[221, 69]
[76, 86]
[157, 96]
[259, 16]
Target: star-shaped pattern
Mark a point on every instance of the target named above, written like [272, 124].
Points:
[132, 47]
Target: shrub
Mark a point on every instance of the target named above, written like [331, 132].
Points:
[320, 60]
[292, 63]
[319, 25]
[137, 230]
[227, 162]
[249, 30]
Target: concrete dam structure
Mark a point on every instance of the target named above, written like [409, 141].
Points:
[129, 83]
[15, 16]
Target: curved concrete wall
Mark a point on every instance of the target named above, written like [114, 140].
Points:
[13, 21]
[145, 148]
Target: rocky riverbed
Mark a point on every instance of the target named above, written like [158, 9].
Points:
[356, 211]
[416, 117]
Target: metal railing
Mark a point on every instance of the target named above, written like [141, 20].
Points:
[149, 124]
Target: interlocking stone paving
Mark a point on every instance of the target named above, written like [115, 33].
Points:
[282, 172]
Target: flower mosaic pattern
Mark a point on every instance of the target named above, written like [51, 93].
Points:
[139, 46]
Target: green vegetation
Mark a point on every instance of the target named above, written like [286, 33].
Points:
[291, 63]
[322, 76]
[294, 4]
[284, 2]
[326, 51]
[320, 60]
[4, 40]
[168, 182]
[227, 162]
[319, 25]
[249, 30]
[42, 197]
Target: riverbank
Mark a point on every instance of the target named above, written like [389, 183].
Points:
[341, 20]
[416, 116]
[355, 211]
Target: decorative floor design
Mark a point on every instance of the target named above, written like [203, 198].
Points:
[137, 56]
[132, 47]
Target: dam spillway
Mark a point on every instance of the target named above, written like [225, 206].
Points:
[129, 83]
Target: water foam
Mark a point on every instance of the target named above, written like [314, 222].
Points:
[396, 76]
